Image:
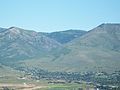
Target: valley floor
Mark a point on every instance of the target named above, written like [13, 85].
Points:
[24, 86]
[20, 86]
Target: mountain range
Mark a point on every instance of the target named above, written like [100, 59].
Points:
[95, 50]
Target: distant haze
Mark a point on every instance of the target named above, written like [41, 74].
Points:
[58, 15]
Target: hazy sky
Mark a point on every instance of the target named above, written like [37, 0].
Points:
[55, 15]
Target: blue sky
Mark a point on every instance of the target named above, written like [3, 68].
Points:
[57, 15]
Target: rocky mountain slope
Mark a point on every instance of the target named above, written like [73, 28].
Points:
[17, 43]
[96, 50]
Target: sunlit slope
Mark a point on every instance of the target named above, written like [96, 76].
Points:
[18, 44]
[97, 50]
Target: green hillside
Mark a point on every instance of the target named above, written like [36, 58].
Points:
[96, 51]
[17, 44]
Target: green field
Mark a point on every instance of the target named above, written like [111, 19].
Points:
[68, 87]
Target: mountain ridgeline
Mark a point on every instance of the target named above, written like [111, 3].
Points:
[64, 37]
[17, 43]
[72, 50]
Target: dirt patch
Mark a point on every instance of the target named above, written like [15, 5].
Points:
[20, 86]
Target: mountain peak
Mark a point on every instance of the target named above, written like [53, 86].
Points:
[13, 27]
[109, 24]
[107, 27]
[14, 30]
